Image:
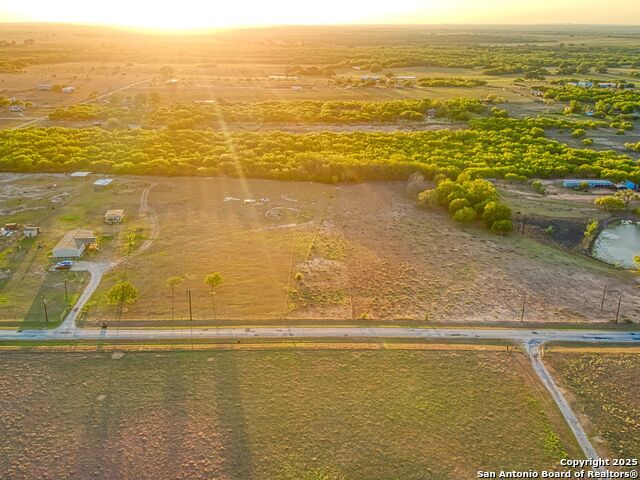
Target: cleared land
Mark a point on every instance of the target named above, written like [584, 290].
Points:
[347, 252]
[604, 389]
[276, 415]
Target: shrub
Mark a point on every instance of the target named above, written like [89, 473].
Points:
[457, 204]
[578, 132]
[591, 228]
[610, 203]
[465, 215]
[538, 187]
[502, 227]
[495, 212]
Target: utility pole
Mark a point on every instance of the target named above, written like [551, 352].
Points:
[46, 315]
[618, 310]
[190, 312]
[66, 292]
[604, 294]
[524, 304]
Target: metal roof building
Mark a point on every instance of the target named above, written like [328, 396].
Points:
[592, 183]
[102, 183]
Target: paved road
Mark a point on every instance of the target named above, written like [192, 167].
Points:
[516, 335]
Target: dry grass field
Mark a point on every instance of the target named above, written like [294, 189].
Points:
[285, 415]
[604, 389]
[347, 252]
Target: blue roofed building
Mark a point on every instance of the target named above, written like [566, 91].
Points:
[590, 182]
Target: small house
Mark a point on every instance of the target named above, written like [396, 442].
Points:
[30, 231]
[102, 183]
[584, 84]
[68, 89]
[608, 85]
[16, 108]
[11, 227]
[114, 216]
[74, 243]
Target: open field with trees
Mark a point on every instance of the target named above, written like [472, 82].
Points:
[604, 389]
[346, 252]
[280, 414]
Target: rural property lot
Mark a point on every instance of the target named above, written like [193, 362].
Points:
[344, 252]
[604, 388]
[57, 204]
[275, 415]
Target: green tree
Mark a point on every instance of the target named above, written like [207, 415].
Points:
[502, 227]
[627, 196]
[213, 280]
[122, 292]
[610, 203]
[495, 212]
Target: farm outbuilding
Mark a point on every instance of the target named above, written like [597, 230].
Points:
[114, 216]
[79, 174]
[102, 183]
[74, 243]
[591, 183]
[29, 231]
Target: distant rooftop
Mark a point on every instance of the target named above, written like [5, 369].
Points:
[103, 182]
[80, 174]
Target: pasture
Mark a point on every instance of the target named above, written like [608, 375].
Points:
[345, 253]
[604, 390]
[275, 414]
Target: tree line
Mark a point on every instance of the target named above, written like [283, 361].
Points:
[188, 116]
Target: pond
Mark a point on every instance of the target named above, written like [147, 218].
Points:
[618, 244]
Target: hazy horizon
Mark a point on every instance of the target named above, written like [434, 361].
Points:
[193, 15]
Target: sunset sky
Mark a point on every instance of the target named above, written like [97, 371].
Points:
[202, 14]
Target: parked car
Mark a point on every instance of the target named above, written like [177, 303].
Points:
[63, 265]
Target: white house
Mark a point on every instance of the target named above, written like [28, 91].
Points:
[73, 244]
[114, 216]
[69, 89]
[29, 231]
[16, 108]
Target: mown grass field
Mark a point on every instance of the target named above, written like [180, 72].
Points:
[274, 415]
[605, 390]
